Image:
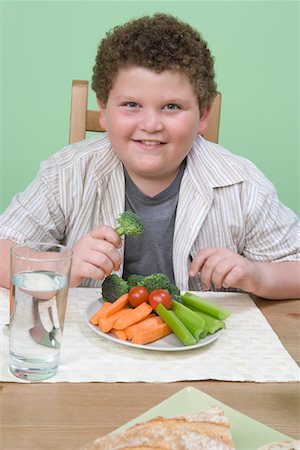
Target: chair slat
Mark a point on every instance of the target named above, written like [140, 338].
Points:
[78, 110]
[92, 121]
[212, 132]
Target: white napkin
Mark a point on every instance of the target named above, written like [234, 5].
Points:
[248, 350]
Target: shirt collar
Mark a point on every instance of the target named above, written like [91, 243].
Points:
[211, 166]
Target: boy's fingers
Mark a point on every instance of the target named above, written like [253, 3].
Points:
[108, 234]
[91, 271]
[87, 270]
[197, 263]
[239, 277]
[101, 252]
[200, 260]
[220, 272]
[100, 261]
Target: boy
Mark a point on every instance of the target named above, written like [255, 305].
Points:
[212, 221]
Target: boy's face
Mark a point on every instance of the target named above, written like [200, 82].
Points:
[152, 120]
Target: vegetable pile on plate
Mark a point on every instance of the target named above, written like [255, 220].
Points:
[146, 308]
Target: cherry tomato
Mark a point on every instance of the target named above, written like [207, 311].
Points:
[138, 295]
[160, 296]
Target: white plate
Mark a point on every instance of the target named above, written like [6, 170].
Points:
[168, 343]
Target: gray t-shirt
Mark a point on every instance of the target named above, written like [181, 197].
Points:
[153, 251]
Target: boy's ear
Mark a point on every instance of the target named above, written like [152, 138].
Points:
[102, 114]
[203, 123]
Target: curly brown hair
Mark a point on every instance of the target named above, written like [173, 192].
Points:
[159, 42]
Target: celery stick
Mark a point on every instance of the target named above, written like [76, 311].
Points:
[176, 325]
[206, 306]
[194, 323]
[211, 322]
[203, 334]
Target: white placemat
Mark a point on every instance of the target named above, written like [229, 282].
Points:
[248, 350]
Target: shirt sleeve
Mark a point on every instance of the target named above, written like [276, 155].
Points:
[272, 229]
[36, 214]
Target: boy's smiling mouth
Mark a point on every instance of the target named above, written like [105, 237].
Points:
[151, 142]
[148, 142]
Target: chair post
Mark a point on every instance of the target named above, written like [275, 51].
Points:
[78, 111]
[212, 132]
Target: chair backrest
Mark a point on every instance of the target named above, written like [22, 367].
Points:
[83, 119]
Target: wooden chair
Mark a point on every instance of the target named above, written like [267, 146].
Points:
[83, 119]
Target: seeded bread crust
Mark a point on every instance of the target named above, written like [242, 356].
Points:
[203, 430]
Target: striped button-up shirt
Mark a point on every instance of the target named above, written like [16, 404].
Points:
[224, 201]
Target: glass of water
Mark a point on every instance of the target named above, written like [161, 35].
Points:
[39, 281]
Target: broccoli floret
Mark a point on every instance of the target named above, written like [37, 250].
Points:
[175, 292]
[113, 287]
[161, 281]
[156, 281]
[135, 280]
[129, 223]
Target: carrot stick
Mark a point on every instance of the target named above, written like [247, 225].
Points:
[99, 313]
[105, 324]
[150, 335]
[120, 334]
[135, 315]
[147, 324]
[118, 304]
[107, 309]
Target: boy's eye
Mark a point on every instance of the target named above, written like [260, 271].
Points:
[172, 106]
[131, 105]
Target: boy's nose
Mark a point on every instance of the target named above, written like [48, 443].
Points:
[151, 122]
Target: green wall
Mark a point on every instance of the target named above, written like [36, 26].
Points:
[46, 44]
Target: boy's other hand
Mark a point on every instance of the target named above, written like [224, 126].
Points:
[96, 255]
[222, 267]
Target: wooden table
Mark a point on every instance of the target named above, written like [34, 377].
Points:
[66, 416]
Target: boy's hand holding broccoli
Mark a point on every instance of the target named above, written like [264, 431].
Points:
[97, 254]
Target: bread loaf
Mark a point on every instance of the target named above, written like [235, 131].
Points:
[207, 429]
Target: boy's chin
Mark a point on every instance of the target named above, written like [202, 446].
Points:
[152, 172]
